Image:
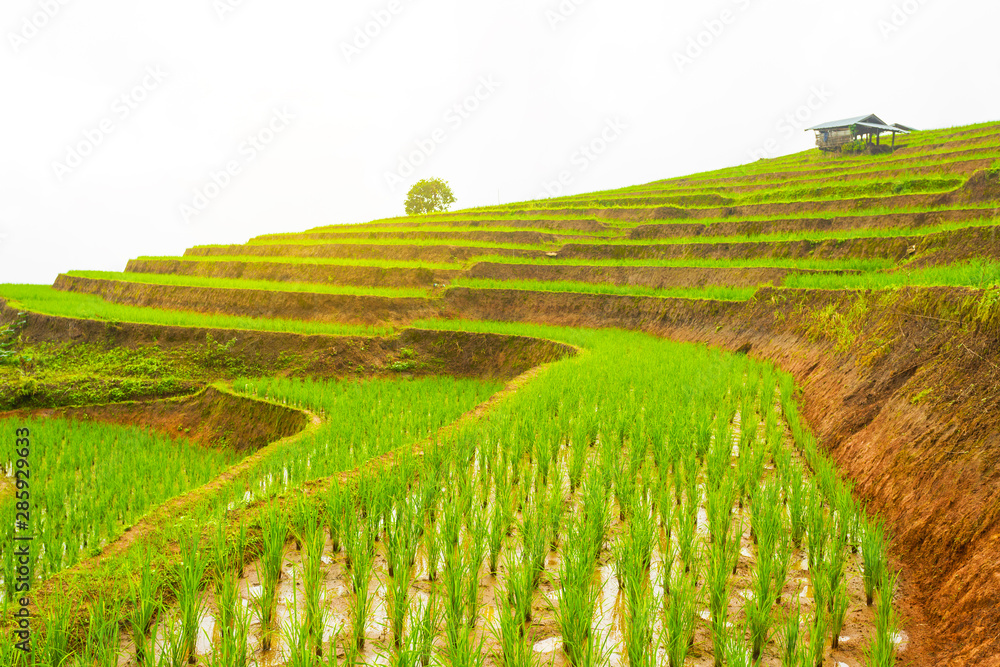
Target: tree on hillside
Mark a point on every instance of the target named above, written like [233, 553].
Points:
[428, 196]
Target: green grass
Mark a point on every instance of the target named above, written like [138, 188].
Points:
[416, 227]
[851, 264]
[47, 301]
[808, 235]
[264, 285]
[312, 261]
[973, 273]
[457, 242]
[713, 292]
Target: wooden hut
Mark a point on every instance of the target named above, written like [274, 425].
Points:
[831, 136]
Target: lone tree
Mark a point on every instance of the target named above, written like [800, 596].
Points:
[429, 195]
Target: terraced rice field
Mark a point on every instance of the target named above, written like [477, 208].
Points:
[501, 457]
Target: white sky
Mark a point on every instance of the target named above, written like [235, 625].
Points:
[182, 85]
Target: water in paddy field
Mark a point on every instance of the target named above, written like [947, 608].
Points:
[544, 634]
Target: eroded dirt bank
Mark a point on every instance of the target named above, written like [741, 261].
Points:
[901, 388]
[211, 418]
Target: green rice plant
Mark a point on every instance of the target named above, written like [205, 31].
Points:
[640, 614]
[453, 579]
[576, 597]
[467, 650]
[432, 548]
[687, 527]
[102, 644]
[424, 627]
[362, 564]
[55, 646]
[227, 595]
[736, 651]
[838, 610]
[508, 631]
[798, 506]
[873, 558]
[190, 573]
[881, 652]
[241, 547]
[498, 524]
[782, 563]
[790, 637]
[473, 562]
[817, 635]
[717, 582]
[144, 587]
[679, 617]
[719, 508]
[234, 641]
[335, 509]
[171, 646]
[312, 580]
[818, 528]
[297, 636]
[760, 606]
[555, 511]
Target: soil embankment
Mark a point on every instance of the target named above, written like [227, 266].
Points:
[659, 277]
[329, 274]
[922, 250]
[211, 418]
[426, 253]
[411, 352]
[344, 309]
[900, 387]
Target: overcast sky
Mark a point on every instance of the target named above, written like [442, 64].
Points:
[142, 128]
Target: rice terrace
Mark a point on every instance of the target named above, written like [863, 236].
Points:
[743, 417]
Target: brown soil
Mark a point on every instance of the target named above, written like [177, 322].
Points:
[210, 418]
[439, 254]
[840, 223]
[535, 223]
[923, 249]
[346, 309]
[903, 396]
[520, 237]
[331, 274]
[646, 276]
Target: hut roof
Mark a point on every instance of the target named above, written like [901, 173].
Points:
[847, 122]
